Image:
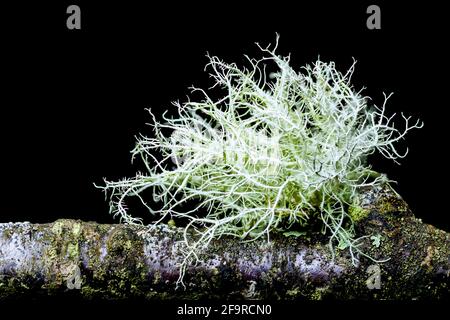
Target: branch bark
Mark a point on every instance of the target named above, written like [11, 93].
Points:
[128, 262]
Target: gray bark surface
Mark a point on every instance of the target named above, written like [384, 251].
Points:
[98, 261]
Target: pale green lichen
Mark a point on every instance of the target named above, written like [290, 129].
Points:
[376, 240]
[271, 154]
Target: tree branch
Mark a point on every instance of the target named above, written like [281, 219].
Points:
[124, 262]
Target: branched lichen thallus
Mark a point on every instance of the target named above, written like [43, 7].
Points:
[276, 152]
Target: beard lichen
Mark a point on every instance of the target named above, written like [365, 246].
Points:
[279, 152]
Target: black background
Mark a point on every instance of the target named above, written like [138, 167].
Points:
[73, 100]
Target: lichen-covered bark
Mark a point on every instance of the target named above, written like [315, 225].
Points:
[125, 262]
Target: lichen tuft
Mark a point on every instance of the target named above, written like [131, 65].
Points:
[279, 151]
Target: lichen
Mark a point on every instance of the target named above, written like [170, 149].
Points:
[278, 154]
